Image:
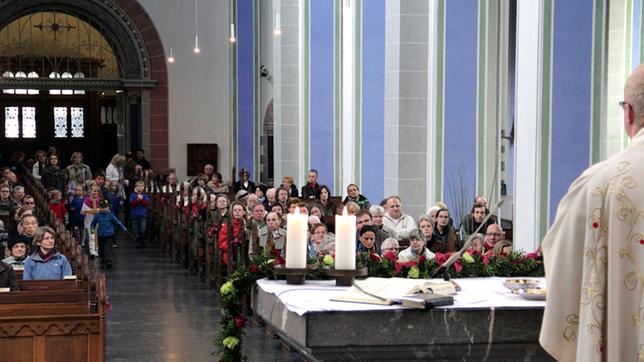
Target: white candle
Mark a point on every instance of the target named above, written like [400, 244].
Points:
[345, 241]
[296, 243]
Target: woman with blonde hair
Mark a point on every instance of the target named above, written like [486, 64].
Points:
[78, 172]
[46, 262]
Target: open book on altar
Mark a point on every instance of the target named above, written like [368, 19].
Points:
[386, 291]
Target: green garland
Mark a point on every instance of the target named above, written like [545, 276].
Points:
[236, 290]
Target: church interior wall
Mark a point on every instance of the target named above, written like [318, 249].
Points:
[199, 91]
[246, 80]
[322, 108]
[461, 36]
[570, 96]
[373, 99]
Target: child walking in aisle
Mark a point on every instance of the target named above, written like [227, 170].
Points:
[75, 207]
[89, 210]
[139, 201]
[105, 221]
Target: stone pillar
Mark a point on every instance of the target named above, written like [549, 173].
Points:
[406, 107]
[530, 181]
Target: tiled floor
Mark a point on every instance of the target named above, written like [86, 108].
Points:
[163, 313]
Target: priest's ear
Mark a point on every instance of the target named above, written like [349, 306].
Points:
[630, 122]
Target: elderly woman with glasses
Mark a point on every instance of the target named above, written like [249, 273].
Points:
[416, 247]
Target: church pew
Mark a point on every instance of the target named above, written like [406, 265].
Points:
[38, 285]
[69, 326]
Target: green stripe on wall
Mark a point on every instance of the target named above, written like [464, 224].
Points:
[546, 90]
[358, 93]
[599, 28]
[233, 76]
[307, 85]
[337, 72]
[440, 99]
[257, 132]
[482, 92]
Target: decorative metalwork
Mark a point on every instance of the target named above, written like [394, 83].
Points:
[105, 15]
[11, 122]
[60, 122]
[78, 122]
[28, 122]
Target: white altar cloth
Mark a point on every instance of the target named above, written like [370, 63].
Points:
[314, 296]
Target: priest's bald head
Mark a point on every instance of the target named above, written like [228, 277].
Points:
[634, 102]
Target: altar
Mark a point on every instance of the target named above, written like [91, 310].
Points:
[486, 322]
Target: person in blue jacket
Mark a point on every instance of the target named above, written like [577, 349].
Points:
[46, 262]
[105, 221]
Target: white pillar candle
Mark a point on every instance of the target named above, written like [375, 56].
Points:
[296, 243]
[345, 241]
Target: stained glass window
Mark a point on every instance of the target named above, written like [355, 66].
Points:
[33, 75]
[79, 75]
[21, 74]
[54, 91]
[11, 122]
[78, 124]
[60, 122]
[29, 122]
[8, 74]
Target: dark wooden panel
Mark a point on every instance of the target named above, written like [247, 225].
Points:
[200, 154]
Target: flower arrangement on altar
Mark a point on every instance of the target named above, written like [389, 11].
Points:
[236, 291]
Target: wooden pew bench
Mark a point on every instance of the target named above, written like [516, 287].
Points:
[53, 320]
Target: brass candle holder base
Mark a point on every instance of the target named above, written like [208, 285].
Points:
[294, 276]
[345, 278]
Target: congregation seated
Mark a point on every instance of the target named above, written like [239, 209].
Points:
[6, 201]
[476, 244]
[363, 217]
[244, 182]
[288, 183]
[416, 249]
[444, 239]
[503, 247]
[493, 235]
[46, 263]
[472, 221]
[354, 195]
[8, 277]
[217, 185]
[367, 239]
[272, 236]
[28, 225]
[389, 245]
[397, 221]
[321, 242]
[312, 188]
[328, 208]
[18, 250]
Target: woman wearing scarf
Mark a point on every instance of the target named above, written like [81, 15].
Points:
[46, 262]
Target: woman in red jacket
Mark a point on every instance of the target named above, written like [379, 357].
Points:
[232, 237]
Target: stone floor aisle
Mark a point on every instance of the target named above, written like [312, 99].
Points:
[163, 313]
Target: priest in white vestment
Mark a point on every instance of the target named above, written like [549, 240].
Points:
[594, 254]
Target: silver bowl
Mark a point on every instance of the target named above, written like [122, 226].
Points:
[518, 284]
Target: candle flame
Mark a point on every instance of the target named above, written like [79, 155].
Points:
[344, 211]
[297, 210]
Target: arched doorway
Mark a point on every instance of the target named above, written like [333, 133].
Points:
[93, 81]
[266, 145]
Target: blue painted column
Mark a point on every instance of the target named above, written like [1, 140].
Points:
[321, 89]
[459, 164]
[571, 95]
[246, 77]
[373, 99]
